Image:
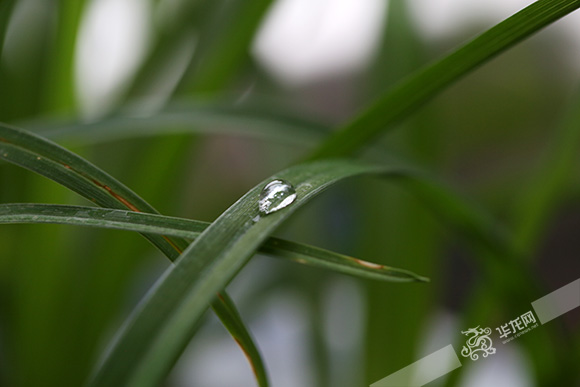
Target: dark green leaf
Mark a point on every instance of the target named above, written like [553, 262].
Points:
[165, 321]
[54, 162]
[411, 93]
[190, 229]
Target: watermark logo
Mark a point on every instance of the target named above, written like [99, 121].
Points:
[517, 327]
[478, 342]
[445, 360]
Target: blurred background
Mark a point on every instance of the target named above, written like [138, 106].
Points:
[64, 291]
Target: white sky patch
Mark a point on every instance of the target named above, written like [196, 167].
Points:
[112, 41]
[344, 311]
[304, 40]
[442, 18]
[570, 26]
[281, 333]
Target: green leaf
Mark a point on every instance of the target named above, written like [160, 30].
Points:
[240, 334]
[167, 319]
[56, 163]
[34, 152]
[411, 93]
[52, 161]
[261, 121]
[190, 229]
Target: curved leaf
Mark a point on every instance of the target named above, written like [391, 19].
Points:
[56, 163]
[419, 88]
[164, 322]
[266, 122]
[190, 229]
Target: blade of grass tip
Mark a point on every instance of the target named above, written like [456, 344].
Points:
[540, 197]
[411, 93]
[2, 154]
[56, 163]
[190, 229]
[174, 34]
[240, 334]
[325, 259]
[164, 322]
[76, 173]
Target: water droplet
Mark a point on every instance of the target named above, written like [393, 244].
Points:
[276, 195]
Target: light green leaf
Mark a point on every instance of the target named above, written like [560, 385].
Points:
[190, 229]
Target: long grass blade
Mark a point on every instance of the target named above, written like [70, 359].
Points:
[50, 160]
[165, 321]
[56, 163]
[411, 93]
[89, 182]
[264, 122]
[190, 229]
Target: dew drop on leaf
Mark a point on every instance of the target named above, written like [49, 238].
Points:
[276, 195]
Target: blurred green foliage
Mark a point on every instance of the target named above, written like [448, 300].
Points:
[507, 135]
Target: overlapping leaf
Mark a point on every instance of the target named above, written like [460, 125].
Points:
[190, 229]
[162, 326]
[54, 162]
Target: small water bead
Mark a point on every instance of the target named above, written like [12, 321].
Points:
[276, 195]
